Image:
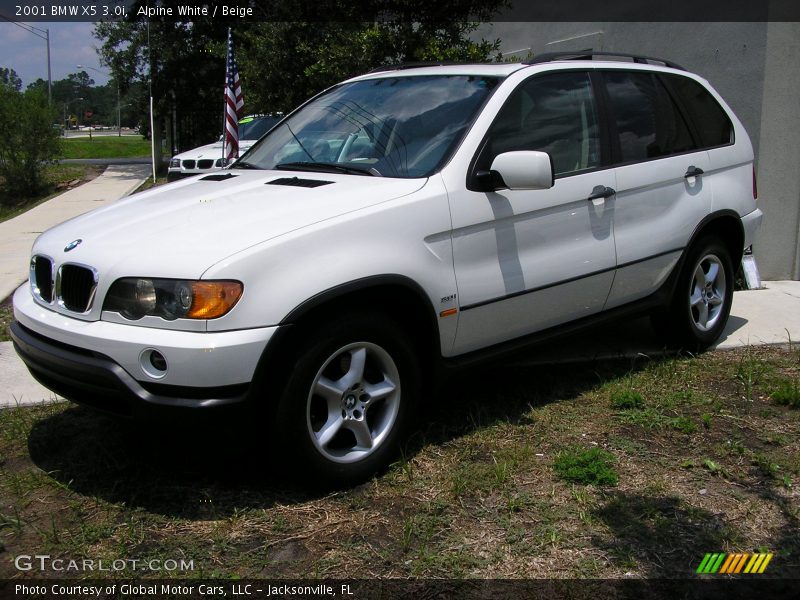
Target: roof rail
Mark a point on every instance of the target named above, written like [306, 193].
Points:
[589, 55]
[409, 65]
[432, 63]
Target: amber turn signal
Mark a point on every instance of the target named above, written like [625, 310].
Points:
[212, 299]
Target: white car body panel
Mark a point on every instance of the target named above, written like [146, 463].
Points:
[510, 263]
[133, 236]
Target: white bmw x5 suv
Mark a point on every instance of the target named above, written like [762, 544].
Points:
[398, 223]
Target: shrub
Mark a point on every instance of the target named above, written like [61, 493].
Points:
[27, 140]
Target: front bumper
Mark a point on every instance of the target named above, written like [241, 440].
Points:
[95, 380]
[101, 363]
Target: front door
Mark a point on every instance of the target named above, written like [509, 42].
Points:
[529, 260]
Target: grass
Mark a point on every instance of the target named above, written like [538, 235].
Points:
[787, 393]
[6, 317]
[587, 467]
[160, 180]
[106, 146]
[626, 400]
[56, 176]
[503, 480]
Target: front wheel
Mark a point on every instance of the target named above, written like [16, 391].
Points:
[703, 296]
[347, 402]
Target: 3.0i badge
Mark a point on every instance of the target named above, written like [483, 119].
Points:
[72, 245]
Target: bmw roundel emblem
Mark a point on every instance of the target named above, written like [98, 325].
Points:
[72, 245]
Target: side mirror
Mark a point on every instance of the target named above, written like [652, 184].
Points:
[522, 170]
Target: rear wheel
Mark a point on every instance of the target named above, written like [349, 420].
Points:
[348, 400]
[702, 300]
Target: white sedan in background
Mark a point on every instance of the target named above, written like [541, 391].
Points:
[208, 158]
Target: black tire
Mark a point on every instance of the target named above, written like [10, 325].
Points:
[301, 416]
[697, 315]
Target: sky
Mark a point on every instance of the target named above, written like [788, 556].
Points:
[71, 44]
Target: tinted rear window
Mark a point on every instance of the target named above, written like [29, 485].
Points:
[708, 117]
[648, 122]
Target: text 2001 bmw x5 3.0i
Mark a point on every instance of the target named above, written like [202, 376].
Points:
[401, 221]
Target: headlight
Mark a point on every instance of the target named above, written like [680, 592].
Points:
[135, 297]
[175, 163]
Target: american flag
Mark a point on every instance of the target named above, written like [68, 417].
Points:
[233, 104]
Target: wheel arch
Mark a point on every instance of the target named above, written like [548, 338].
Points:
[400, 297]
[727, 226]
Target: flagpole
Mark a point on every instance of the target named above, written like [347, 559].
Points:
[152, 118]
[225, 97]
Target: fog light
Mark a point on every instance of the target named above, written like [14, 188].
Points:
[158, 361]
[153, 363]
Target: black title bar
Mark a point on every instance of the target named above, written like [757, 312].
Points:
[388, 10]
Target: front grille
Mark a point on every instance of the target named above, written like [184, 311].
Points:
[75, 287]
[42, 278]
[188, 164]
[206, 163]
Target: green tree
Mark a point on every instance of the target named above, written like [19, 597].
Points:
[9, 78]
[285, 53]
[187, 74]
[285, 63]
[27, 139]
[100, 100]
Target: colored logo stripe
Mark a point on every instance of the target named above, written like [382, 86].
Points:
[743, 562]
[734, 564]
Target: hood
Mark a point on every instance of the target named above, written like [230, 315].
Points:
[183, 228]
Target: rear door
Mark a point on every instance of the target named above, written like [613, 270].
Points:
[662, 193]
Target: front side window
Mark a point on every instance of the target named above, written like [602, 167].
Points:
[552, 113]
[648, 122]
[391, 126]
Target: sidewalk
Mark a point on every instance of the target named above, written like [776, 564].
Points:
[16, 238]
[18, 234]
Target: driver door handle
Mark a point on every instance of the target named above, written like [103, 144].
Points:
[693, 172]
[601, 191]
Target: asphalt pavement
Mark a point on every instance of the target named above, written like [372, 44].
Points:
[767, 316]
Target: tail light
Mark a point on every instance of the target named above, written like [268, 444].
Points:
[755, 184]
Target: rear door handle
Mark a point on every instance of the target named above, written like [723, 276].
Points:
[601, 191]
[693, 172]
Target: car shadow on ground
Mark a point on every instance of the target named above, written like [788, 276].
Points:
[210, 471]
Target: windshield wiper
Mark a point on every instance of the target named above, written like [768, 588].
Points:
[326, 168]
[243, 164]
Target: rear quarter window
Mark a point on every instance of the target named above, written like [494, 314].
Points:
[709, 119]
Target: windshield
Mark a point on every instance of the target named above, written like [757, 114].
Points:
[392, 126]
[252, 128]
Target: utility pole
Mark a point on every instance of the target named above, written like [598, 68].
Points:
[46, 37]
